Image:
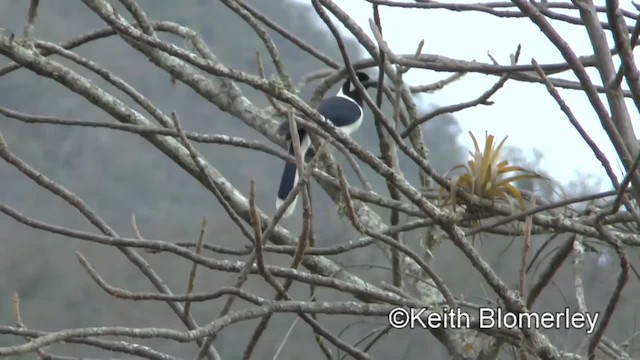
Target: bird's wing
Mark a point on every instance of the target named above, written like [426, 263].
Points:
[340, 111]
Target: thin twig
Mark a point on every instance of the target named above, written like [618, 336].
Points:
[197, 160]
[578, 269]
[194, 267]
[623, 277]
[526, 242]
[32, 13]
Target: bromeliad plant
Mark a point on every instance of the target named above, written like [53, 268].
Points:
[487, 176]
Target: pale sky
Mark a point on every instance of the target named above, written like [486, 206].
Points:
[523, 111]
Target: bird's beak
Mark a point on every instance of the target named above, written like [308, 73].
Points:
[370, 84]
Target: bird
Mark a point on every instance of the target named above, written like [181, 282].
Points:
[344, 110]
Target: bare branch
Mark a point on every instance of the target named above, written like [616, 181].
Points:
[194, 267]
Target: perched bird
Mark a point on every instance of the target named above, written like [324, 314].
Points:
[344, 110]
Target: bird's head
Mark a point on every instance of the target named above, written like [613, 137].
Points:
[351, 90]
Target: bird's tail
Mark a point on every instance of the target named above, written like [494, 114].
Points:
[289, 178]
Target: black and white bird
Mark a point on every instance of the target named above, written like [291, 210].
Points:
[344, 110]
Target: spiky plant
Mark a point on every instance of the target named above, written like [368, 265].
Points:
[488, 176]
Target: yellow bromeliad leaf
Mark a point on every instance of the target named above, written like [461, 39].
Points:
[486, 156]
[497, 152]
[518, 177]
[488, 176]
[509, 168]
[514, 193]
[475, 142]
